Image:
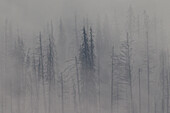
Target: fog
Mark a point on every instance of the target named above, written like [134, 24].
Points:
[84, 56]
[28, 13]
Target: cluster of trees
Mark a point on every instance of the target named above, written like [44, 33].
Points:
[92, 71]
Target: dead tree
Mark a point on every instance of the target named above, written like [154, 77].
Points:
[139, 72]
[35, 76]
[112, 80]
[126, 59]
[41, 70]
[148, 70]
[62, 94]
[74, 97]
[51, 68]
[78, 84]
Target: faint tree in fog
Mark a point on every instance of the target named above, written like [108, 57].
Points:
[35, 77]
[78, 84]
[29, 80]
[19, 54]
[62, 93]
[85, 61]
[117, 80]
[87, 72]
[92, 54]
[112, 80]
[51, 56]
[126, 58]
[93, 89]
[139, 75]
[41, 75]
[99, 55]
[146, 24]
[164, 77]
[75, 97]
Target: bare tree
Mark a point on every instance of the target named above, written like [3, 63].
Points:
[112, 80]
[62, 94]
[51, 68]
[139, 73]
[75, 97]
[99, 55]
[126, 58]
[148, 69]
[41, 70]
[35, 77]
[78, 83]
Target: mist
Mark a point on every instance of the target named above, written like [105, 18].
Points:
[84, 56]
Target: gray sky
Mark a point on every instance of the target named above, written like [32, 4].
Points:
[33, 14]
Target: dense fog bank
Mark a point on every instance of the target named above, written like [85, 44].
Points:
[84, 56]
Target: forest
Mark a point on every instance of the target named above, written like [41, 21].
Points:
[86, 66]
